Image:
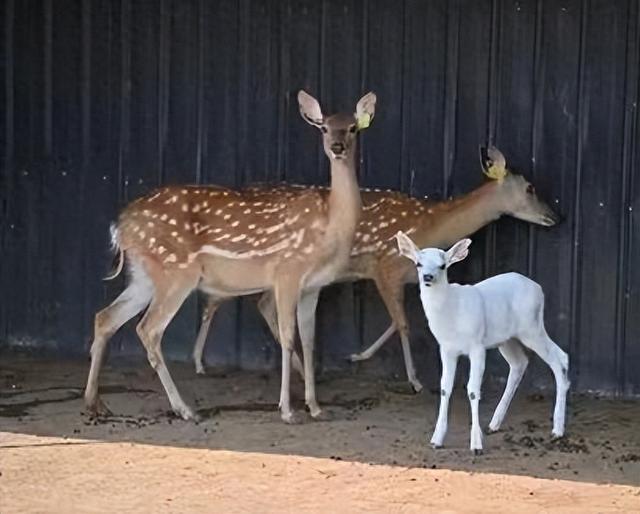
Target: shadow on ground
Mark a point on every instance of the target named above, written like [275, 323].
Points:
[372, 422]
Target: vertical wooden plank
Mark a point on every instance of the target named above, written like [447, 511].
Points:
[601, 192]
[553, 165]
[628, 274]
[219, 161]
[513, 89]
[6, 143]
[178, 133]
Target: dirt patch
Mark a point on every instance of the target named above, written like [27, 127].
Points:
[377, 439]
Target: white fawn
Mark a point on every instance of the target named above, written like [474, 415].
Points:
[230, 243]
[505, 312]
[374, 254]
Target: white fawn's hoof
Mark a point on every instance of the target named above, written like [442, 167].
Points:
[291, 418]
[478, 451]
[322, 415]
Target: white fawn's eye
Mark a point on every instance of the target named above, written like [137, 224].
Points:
[442, 266]
[418, 265]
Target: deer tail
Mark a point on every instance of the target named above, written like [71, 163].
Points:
[115, 246]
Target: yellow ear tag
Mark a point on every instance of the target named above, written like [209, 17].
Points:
[363, 121]
[495, 172]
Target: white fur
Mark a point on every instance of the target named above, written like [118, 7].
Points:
[504, 312]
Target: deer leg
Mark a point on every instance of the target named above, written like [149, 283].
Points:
[392, 293]
[371, 351]
[267, 307]
[517, 359]
[163, 308]
[107, 322]
[474, 386]
[449, 364]
[207, 315]
[558, 361]
[307, 327]
[286, 296]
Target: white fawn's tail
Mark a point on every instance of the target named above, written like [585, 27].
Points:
[115, 246]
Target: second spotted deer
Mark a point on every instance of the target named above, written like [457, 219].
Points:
[375, 256]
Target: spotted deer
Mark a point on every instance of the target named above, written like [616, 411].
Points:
[431, 224]
[229, 243]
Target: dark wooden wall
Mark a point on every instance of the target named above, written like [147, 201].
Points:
[103, 100]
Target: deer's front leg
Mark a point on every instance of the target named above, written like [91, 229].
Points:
[476, 371]
[449, 363]
[307, 327]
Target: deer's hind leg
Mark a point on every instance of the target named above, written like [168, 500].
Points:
[131, 301]
[207, 316]
[165, 304]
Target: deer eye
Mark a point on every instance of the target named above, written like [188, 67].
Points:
[530, 189]
[324, 129]
[353, 129]
[442, 266]
[418, 265]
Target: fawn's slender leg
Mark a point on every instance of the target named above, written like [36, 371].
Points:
[517, 359]
[449, 364]
[474, 387]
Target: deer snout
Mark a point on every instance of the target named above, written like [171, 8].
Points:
[428, 278]
[338, 148]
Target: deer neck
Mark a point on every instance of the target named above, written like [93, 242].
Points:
[344, 201]
[451, 220]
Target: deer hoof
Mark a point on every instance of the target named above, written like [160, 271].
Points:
[292, 418]
[355, 357]
[99, 409]
[416, 386]
[478, 451]
[323, 415]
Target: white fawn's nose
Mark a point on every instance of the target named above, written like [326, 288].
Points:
[427, 277]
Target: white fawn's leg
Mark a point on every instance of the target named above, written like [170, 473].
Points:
[306, 313]
[449, 364]
[131, 301]
[207, 315]
[517, 359]
[474, 387]
[267, 307]
[286, 296]
[558, 361]
[164, 306]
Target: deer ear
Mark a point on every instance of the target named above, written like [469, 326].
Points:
[407, 247]
[310, 109]
[493, 163]
[457, 252]
[365, 110]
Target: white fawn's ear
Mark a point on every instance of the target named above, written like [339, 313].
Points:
[365, 110]
[407, 247]
[458, 252]
[310, 109]
[493, 163]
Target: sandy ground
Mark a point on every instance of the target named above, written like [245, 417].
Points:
[372, 457]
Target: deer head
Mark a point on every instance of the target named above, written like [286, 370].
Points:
[519, 198]
[339, 131]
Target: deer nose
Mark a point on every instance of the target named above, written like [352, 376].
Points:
[337, 148]
[427, 277]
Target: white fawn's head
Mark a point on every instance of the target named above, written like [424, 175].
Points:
[432, 263]
[519, 197]
[339, 131]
